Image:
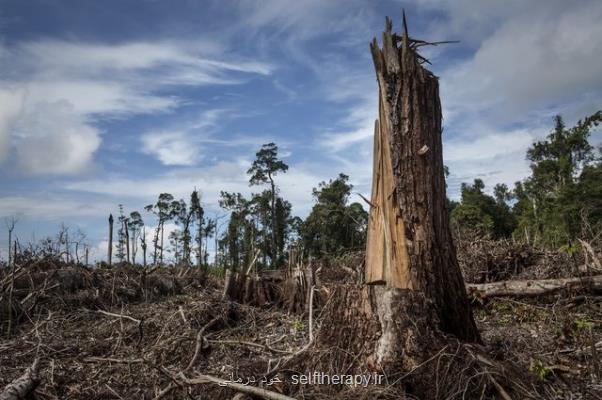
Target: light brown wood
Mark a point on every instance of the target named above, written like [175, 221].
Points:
[386, 254]
[530, 288]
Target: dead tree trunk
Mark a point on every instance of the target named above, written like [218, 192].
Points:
[127, 241]
[409, 240]
[143, 245]
[415, 295]
[110, 248]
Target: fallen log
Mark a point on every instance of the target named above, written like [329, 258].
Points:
[531, 288]
[24, 385]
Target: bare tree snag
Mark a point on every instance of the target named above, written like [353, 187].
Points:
[409, 240]
[10, 226]
[110, 247]
[127, 240]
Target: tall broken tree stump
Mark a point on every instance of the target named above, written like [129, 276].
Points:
[409, 243]
[414, 303]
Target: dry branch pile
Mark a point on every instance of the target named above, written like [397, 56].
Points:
[161, 348]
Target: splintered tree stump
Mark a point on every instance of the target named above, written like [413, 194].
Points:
[297, 286]
[409, 243]
[248, 288]
[414, 301]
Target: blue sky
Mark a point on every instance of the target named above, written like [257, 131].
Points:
[112, 102]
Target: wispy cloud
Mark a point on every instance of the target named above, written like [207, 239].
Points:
[53, 207]
[52, 91]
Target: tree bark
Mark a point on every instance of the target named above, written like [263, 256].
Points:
[273, 214]
[409, 240]
[161, 249]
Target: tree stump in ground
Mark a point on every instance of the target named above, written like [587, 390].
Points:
[250, 288]
[409, 240]
[415, 296]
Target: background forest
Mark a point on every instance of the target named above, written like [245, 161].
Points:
[559, 202]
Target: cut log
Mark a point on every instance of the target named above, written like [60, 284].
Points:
[22, 387]
[531, 288]
[409, 243]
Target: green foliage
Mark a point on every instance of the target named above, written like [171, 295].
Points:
[298, 325]
[565, 185]
[165, 209]
[569, 248]
[265, 166]
[135, 226]
[560, 201]
[483, 213]
[541, 370]
[121, 237]
[582, 328]
[252, 227]
[333, 226]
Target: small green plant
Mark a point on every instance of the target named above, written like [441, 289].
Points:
[218, 272]
[569, 248]
[539, 368]
[583, 324]
[298, 325]
[481, 313]
[501, 306]
[505, 320]
[581, 327]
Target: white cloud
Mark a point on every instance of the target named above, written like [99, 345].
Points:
[98, 97]
[230, 176]
[52, 92]
[10, 108]
[295, 185]
[181, 144]
[302, 19]
[495, 156]
[51, 139]
[486, 144]
[171, 148]
[358, 131]
[537, 58]
[50, 207]
[169, 58]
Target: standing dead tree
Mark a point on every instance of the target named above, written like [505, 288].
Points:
[110, 246]
[414, 298]
[10, 226]
[409, 239]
